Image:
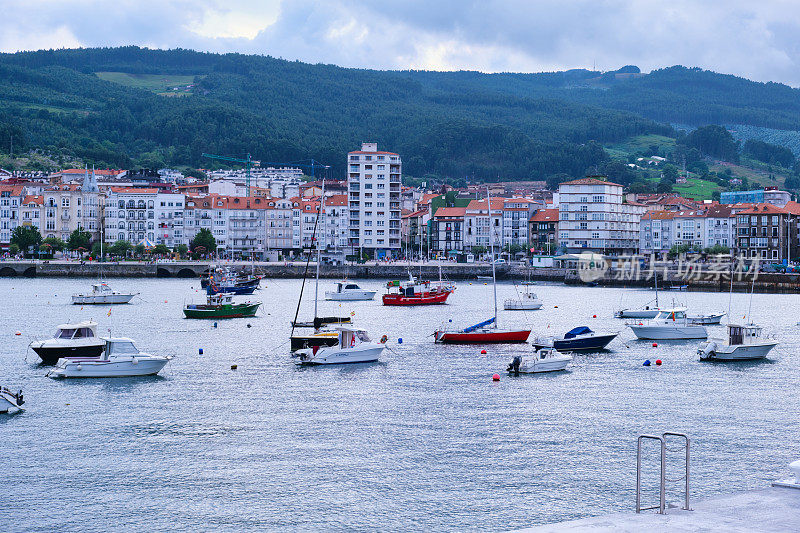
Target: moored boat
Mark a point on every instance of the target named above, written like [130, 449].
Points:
[544, 360]
[70, 340]
[102, 294]
[579, 339]
[713, 318]
[120, 358]
[526, 302]
[221, 306]
[414, 292]
[744, 343]
[347, 291]
[353, 346]
[669, 324]
[10, 400]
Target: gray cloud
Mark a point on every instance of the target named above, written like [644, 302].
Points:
[759, 40]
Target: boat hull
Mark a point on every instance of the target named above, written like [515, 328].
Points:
[637, 313]
[358, 296]
[482, 337]
[298, 342]
[51, 354]
[424, 299]
[72, 368]
[536, 366]
[744, 352]
[707, 319]
[234, 311]
[521, 306]
[586, 344]
[102, 299]
[335, 355]
[669, 333]
[212, 289]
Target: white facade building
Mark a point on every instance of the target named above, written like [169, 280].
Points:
[373, 184]
[593, 217]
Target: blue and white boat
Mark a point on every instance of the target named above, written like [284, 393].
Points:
[580, 339]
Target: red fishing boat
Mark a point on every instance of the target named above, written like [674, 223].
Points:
[416, 293]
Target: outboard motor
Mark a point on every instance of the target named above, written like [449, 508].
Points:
[515, 364]
[20, 401]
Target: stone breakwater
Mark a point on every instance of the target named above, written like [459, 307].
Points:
[765, 282]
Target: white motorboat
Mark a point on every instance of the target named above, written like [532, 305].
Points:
[644, 312]
[121, 358]
[743, 343]
[354, 346]
[347, 291]
[669, 324]
[526, 302]
[713, 318]
[102, 294]
[545, 360]
[71, 340]
[10, 400]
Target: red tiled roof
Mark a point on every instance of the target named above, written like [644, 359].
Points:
[480, 205]
[764, 209]
[450, 212]
[135, 190]
[545, 215]
[336, 200]
[370, 153]
[33, 200]
[659, 215]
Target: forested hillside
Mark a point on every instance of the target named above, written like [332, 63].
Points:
[454, 125]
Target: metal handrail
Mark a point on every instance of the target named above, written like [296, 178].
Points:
[662, 491]
[663, 478]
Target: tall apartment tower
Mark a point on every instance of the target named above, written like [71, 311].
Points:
[373, 185]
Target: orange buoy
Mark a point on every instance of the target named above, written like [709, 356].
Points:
[555, 307]
[496, 377]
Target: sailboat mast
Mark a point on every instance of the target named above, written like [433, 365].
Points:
[320, 213]
[491, 253]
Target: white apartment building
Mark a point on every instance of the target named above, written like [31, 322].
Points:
[68, 207]
[11, 199]
[373, 184]
[701, 228]
[337, 222]
[138, 214]
[656, 232]
[279, 225]
[593, 217]
[477, 226]
[516, 213]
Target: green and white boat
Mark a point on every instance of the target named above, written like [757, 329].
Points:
[221, 306]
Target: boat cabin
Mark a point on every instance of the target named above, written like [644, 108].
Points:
[100, 288]
[350, 337]
[679, 313]
[81, 330]
[220, 298]
[743, 334]
[120, 346]
[346, 285]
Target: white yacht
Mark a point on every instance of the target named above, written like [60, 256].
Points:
[712, 318]
[669, 324]
[526, 302]
[10, 400]
[71, 340]
[743, 343]
[121, 358]
[102, 294]
[354, 346]
[545, 360]
[642, 312]
[347, 291]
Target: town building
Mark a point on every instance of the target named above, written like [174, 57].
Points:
[543, 230]
[770, 195]
[479, 228]
[448, 230]
[516, 216]
[11, 199]
[68, 207]
[768, 232]
[373, 183]
[594, 217]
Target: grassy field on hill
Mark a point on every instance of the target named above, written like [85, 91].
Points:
[157, 83]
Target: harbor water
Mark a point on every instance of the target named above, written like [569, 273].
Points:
[423, 440]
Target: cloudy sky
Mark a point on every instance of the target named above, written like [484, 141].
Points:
[758, 39]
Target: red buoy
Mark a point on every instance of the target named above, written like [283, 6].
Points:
[594, 316]
[496, 377]
[658, 362]
[655, 345]
[483, 352]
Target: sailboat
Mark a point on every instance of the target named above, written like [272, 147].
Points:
[101, 293]
[645, 311]
[486, 331]
[527, 301]
[319, 337]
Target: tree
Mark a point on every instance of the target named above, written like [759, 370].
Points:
[55, 243]
[13, 249]
[204, 239]
[120, 248]
[554, 180]
[160, 249]
[96, 249]
[717, 249]
[664, 186]
[182, 250]
[670, 173]
[792, 182]
[79, 239]
[715, 141]
[139, 249]
[25, 237]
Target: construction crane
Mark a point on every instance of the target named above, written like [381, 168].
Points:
[248, 163]
[313, 164]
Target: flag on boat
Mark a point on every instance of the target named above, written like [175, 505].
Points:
[109, 311]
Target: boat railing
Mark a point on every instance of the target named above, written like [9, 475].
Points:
[662, 440]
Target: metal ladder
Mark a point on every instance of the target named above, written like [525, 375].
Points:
[662, 492]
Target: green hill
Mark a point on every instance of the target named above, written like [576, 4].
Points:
[108, 106]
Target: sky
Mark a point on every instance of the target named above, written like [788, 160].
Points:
[757, 39]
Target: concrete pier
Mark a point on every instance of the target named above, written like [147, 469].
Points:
[773, 509]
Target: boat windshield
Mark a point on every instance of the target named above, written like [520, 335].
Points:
[82, 333]
[362, 336]
[352, 286]
[672, 315]
[121, 347]
[64, 333]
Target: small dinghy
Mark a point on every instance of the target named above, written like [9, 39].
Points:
[10, 400]
[545, 360]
